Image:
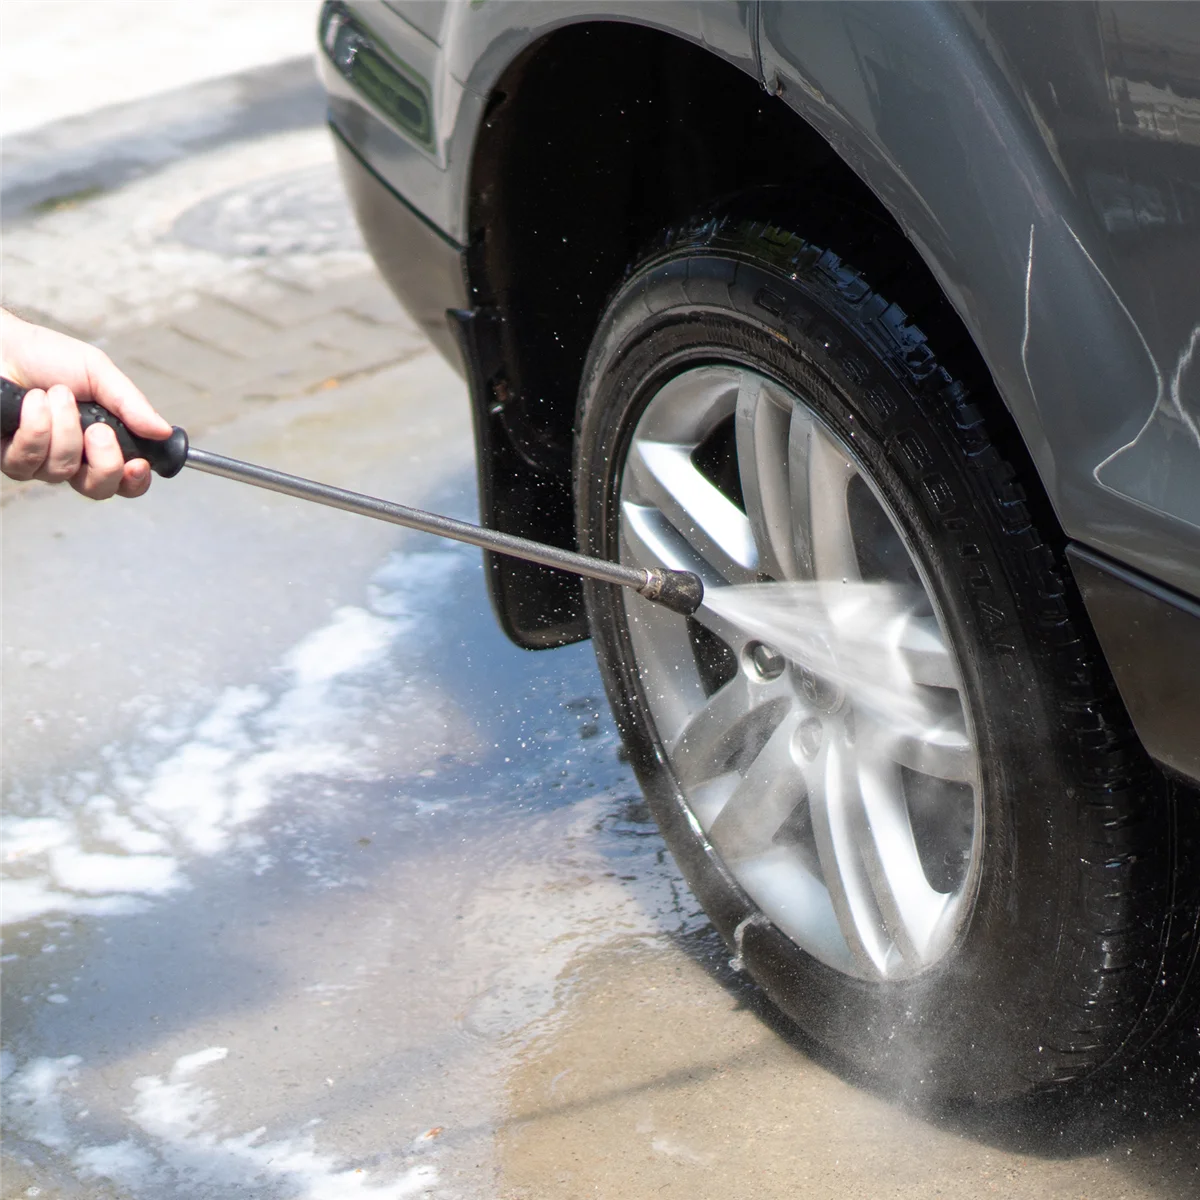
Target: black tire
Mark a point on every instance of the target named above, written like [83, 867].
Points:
[1063, 967]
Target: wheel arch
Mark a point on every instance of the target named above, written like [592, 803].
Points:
[599, 135]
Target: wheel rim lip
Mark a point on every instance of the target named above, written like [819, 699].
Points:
[962, 899]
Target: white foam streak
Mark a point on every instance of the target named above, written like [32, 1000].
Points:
[28, 899]
[34, 1104]
[103, 874]
[177, 1142]
[109, 851]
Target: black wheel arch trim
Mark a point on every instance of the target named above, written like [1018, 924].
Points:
[1150, 635]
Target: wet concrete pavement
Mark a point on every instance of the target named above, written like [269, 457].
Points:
[319, 888]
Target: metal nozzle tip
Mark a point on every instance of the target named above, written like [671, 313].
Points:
[680, 591]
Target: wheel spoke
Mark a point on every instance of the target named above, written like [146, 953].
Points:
[911, 909]
[663, 474]
[938, 745]
[650, 540]
[732, 635]
[839, 821]
[767, 795]
[946, 756]
[691, 405]
[660, 643]
[820, 475]
[735, 719]
[762, 422]
[924, 653]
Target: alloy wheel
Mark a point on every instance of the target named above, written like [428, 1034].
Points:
[821, 737]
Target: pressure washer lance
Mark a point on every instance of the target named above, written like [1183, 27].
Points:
[680, 591]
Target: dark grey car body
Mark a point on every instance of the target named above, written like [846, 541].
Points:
[1043, 161]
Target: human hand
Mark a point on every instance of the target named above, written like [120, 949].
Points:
[50, 444]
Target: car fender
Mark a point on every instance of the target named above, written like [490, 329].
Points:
[921, 102]
[458, 55]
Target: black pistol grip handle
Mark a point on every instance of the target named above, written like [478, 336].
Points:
[166, 457]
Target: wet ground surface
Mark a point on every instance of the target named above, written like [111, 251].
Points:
[319, 888]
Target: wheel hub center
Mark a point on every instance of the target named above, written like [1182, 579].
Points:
[821, 694]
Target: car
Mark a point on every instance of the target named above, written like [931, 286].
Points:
[894, 308]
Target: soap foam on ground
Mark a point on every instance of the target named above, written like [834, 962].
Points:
[177, 1149]
[111, 851]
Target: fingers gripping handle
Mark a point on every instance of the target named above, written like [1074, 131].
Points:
[166, 457]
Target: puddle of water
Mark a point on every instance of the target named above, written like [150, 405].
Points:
[272, 944]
